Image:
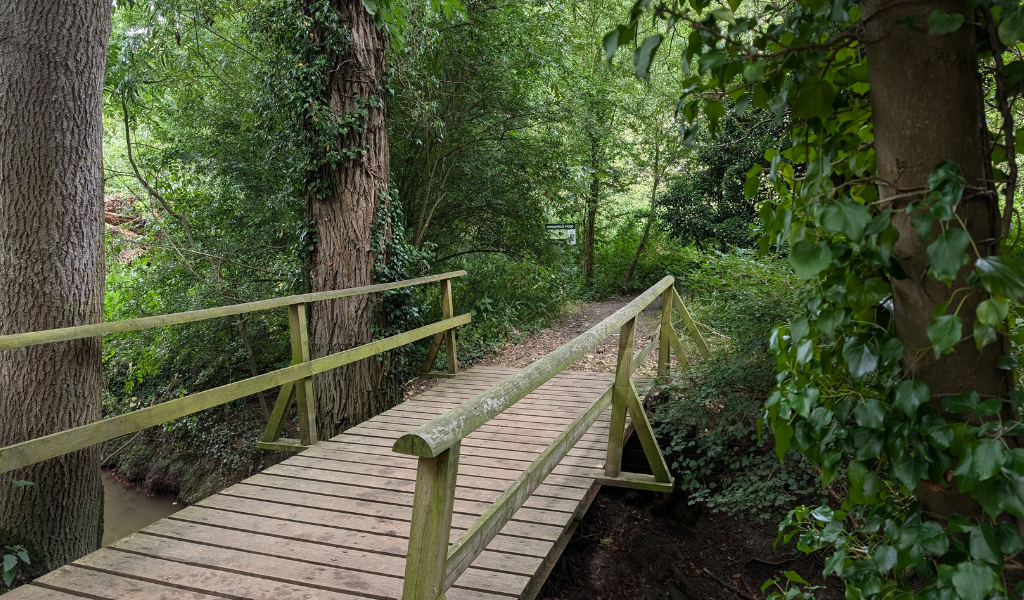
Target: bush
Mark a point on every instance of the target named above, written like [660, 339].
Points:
[708, 414]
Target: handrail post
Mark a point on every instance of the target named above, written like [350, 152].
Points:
[620, 391]
[447, 311]
[429, 532]
[664, 348]
[445, 337]
[305, 401]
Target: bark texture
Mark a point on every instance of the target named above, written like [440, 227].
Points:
[927, 107]
[345, 222]
[52, 56]
[593, 198]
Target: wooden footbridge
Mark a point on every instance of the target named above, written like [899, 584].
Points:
[469, 491]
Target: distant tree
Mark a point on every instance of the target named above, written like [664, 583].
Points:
[52, 56]
[705, 204]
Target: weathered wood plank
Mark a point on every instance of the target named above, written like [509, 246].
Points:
[685, 314]
[36, 592]
[19, 340]
[94, 584]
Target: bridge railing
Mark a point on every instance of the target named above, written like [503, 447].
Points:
[295, 380]
[431, 565]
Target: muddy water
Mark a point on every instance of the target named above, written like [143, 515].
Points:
[127, 509]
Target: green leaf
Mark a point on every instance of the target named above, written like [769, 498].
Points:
[814, 99]
[846, 217]
[933, 538]
[993, 311]
[1009, 538]
[860, 357]
[885, 558]
[988, 458]
[973, 580]
[751, 186]
[795, 577]
[941, 23]
[870, 413]
[1001, 276]
[984, 546]
[864, 484]
[754, 71]
[783, 437]
[724, 15]
[910, 395]
[1011, 29]
[948, 253]
[808, 259]
[610, 44]
[944, 331]
[714, 110]
[643, 55]
[734, 5]
[966, 402]
[22, 483]
[712, 60]
[984, 334]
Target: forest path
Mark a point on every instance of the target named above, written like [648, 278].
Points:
[577, 320]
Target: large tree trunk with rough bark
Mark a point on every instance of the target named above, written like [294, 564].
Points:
[52, 56]
[927, 108]
[345, 221]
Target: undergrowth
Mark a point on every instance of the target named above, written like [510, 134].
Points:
[708, 413]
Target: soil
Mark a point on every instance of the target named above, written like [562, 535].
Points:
[646, 545]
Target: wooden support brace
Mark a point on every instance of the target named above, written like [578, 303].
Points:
[427, 556]
[697, 337]
[620, 390]
[677, 347]
[664, 358]
[445, 337]
[305, 401]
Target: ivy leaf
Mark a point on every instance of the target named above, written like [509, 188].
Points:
[864, 484]
[870, 413]
[910, 395]
[860, 357]
[808, 259]
[814, 99]
[948, 253]
[983, 334]
[973, 580]
[885, 558]
[1009, 538]
[966, 402]
[988, 458]
[1001, 276]
[846, 217]
[941, 23]
[643, 55]
[944, 332]
[984, 546]
[933, 538]
[992, 311]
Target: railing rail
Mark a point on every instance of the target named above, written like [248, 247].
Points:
[294, 380]
[431, 565]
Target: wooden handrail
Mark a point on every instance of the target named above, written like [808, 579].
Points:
[62, 442]
[441, 433]
[19, 340]
[431, 565]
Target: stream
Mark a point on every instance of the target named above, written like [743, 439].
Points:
[127, 509]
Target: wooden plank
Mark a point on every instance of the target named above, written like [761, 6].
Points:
[203, 579]
[433, 438]
[275, 424]
[641, 356]
[38, 592]
[19, 340]
[643, 430]
[677, 347]
[636, 481]
[685, 314]
[389, 549]
[95, 584]
[471, 543]
[60, 443]
[448, 311]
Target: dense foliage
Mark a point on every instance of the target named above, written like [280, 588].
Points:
[844, 396]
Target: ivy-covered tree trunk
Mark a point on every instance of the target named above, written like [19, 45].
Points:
[52, 56]
[914, 132]
[345, 220]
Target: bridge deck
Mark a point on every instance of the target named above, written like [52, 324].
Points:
[332, 522]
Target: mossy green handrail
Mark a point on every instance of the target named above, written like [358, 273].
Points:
[302, 369]
[431, 565]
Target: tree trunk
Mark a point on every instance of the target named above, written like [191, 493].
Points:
[52, 56]
[914, 131]
[650, 215]
[591, 216]
[344, 256]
